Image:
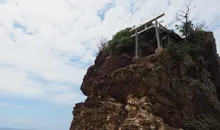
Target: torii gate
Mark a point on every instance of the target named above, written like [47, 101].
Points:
[156, 25]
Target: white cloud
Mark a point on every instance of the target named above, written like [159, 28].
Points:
[7, 105]
[61, 38]
[18, 83]
[46, 56]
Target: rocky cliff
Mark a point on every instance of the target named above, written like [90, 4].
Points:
[158, 92]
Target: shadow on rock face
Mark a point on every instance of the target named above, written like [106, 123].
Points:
[141, 94]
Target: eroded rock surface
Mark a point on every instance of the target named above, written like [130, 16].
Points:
[152, 94]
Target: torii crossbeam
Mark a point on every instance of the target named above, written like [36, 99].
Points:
[147, 27]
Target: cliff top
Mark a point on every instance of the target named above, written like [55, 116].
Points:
[178, 87]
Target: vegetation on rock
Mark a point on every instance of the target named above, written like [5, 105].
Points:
[170, 90]
[120, 43]
[186, 26]
[178, 51]
[188, 30]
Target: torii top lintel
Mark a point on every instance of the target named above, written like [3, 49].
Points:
[148, 22]
[146, 28]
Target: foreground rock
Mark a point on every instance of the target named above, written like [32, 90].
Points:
[152, 93]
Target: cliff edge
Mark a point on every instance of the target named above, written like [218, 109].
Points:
[178, 88]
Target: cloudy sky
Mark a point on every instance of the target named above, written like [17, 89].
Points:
[47, 45]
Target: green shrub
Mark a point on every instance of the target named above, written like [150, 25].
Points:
[179, 50]
[121, 42]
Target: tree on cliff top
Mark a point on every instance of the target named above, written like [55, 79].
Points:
[187, 28]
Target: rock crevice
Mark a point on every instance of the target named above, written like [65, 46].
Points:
[152, 93]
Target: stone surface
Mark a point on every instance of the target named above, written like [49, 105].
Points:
[146, 94]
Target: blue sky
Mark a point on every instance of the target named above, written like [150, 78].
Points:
[47, 46]
[35, 114]
[101, 12]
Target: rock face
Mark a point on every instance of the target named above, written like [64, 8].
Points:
[152, 94]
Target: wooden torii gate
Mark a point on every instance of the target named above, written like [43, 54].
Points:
[147, 27]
